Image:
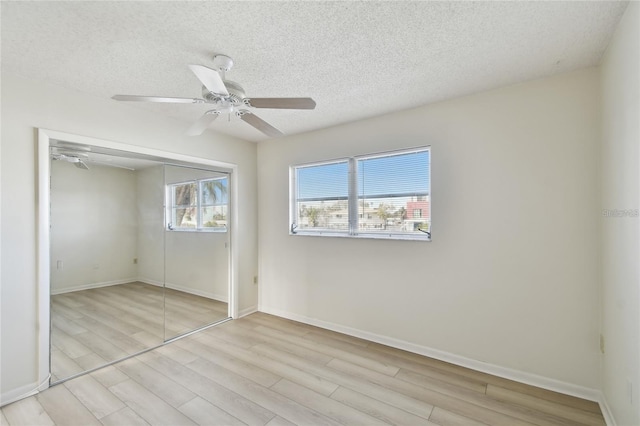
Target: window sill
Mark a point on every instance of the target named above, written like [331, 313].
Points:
[381, 236]
[214, 230]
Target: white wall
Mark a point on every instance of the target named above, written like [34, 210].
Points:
[511, 277]
[94, 226]
[197, 262]
[621, 235]
[28, 104]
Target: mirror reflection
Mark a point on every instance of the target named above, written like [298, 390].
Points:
[196, 255]
[138, 255]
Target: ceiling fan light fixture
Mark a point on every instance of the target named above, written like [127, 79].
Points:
[224, 109]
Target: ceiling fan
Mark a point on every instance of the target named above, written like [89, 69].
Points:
[226, 96]
[80, 160]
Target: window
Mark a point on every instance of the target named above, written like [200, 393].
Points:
[199, 205]
[381, 196]
[322, 197]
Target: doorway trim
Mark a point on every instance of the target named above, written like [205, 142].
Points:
[45, 138]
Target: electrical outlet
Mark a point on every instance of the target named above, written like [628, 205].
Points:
[255, 279]
[60, 265]
[601, 343]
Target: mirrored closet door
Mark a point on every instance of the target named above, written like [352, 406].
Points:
[139, 254]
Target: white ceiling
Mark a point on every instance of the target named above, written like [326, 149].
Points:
[356, 59]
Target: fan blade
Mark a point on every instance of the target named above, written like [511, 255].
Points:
[157, 99]
[282, 103]
[203, 122]
[81, 165]
[260, 124]
[210, 79]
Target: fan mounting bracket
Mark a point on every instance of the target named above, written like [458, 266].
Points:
[222, 62]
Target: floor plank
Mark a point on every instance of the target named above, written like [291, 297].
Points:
[63, 366]
[317, 346]
[125, 416]
[231, 363]
[67, 344]
[279, 421]
[294, 374]
[64, 408]
[235, 404]
[486, 378]
[331, 408]
[65, 324]
[533, 402]
[372, 390]
[176, 353]
[27, 412]
[450, 397]
[147, 405]
[109, 376]
[378, 409]
[90, 361]
[203, 412]
[434, 377]
[433, 396]
[273, 401]
[168, 390]
[447, 418]
[94, 396]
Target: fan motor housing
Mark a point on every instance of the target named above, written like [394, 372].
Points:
[236, 93]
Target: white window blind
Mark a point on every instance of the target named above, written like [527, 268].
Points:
[391, 189]
[385, 195]
[322, 193]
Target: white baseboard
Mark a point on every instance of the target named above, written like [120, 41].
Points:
[18, 393]
[91, 286]
[207, 294]
[484, 367]
[150, 281]
[247, 311]
[606, 410]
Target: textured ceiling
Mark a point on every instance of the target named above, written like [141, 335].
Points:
[356, 59]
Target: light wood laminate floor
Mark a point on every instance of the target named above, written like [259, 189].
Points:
[265, 370]
[90, 328]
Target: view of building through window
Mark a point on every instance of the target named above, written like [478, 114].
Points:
[391, 193]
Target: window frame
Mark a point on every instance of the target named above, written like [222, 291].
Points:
[171, 206]
[353, 199]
